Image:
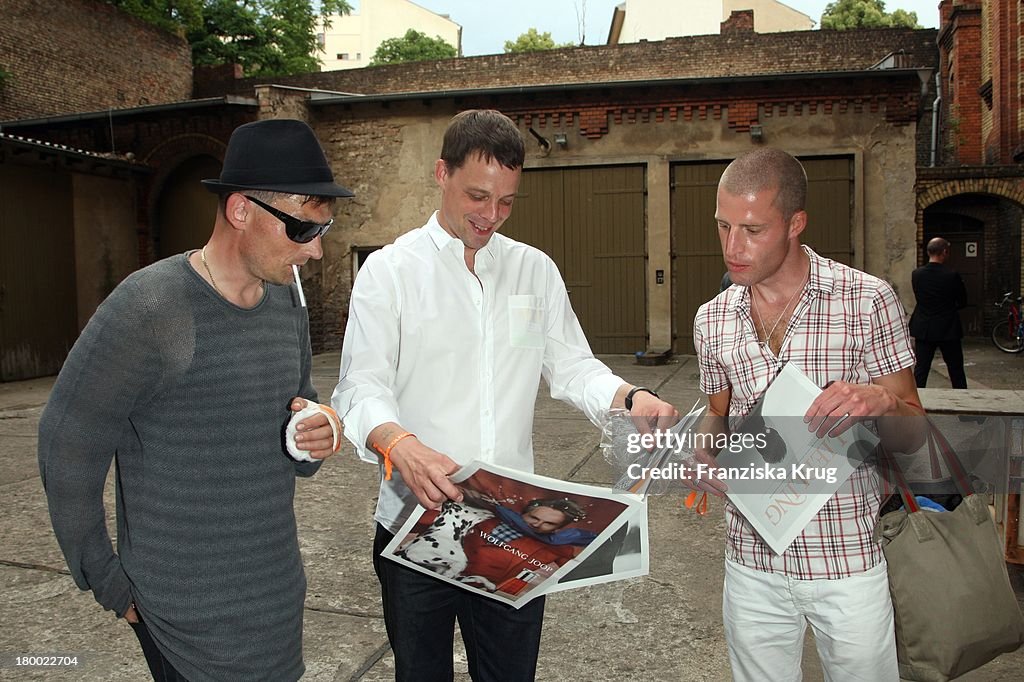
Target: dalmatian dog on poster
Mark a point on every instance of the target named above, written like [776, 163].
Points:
[439, 548]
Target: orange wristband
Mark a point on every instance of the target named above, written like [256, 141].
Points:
[336, 425]
[699, 506]
[386, 452]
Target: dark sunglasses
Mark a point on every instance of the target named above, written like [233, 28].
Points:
[298, 230]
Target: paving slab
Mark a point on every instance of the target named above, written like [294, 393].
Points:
[666, 626]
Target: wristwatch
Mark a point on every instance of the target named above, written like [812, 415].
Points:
[633, 391]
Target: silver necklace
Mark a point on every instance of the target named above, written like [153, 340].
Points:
[753, 303]
[202, 257]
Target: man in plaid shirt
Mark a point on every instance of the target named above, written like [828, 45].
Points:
[846, 330]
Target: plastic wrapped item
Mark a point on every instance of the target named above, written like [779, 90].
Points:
[617, 428]
[649, 462]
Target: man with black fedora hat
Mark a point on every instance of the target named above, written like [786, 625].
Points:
[187, 375]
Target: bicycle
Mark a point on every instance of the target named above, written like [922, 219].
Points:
[1008, 335]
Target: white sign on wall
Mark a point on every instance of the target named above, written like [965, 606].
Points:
[971, 249]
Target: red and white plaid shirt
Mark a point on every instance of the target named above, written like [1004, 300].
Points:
[847, 326]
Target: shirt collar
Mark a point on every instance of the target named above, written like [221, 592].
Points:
[438, 235]
[821, 277]
[442, 240]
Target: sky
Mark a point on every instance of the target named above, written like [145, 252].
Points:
[487, 24]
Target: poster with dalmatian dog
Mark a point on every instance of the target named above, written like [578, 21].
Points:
[515, 536]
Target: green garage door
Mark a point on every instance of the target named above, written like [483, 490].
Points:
[591, 222]
[38, 299]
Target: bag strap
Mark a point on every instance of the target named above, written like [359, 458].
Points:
[933, 458]
[979, 512]
[893, 472]
[938, 442]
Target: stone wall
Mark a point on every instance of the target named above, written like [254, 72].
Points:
[388, 162]
[703, 57]
[386, 155]
[85, 55]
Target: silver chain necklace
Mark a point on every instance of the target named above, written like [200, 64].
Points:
[202, 257]
[753, 302]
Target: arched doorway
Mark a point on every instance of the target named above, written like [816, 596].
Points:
[185, 210]
[984, 231]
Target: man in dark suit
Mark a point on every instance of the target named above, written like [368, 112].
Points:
[940, 293]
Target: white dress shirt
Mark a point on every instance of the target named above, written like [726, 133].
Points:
[457, 359]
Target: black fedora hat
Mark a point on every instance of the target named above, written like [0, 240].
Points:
[278, 155]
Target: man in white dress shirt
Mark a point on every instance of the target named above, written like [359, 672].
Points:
[449, 332]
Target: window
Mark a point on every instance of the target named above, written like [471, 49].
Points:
[359, 254]
[342, 55]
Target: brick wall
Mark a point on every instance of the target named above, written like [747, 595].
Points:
[961, 40]
[741, 20]
[1008, 274]
[1016, 100]
[733, 54]
[999, 191]
[982, 53]
[85, 55]
[1005, 35]
[1002, 258]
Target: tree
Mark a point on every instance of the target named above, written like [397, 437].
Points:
[412, 47]
[170, 15]
[845, 14]
[267, 37]
[531, 41]
[902, 17]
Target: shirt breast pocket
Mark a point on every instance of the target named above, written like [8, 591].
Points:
[526, 321]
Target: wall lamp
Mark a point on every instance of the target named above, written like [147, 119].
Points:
[541, 140]
[561, 140]
[756, 133]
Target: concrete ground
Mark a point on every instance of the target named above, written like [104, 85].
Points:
[666, 626]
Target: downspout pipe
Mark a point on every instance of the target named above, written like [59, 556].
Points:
[935, 116]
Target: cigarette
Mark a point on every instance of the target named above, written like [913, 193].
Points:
[298, 283]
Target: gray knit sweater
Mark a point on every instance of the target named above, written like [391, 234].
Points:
[189, 394]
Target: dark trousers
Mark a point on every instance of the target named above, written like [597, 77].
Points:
[420, 611]
[952, 353]
[159, 666]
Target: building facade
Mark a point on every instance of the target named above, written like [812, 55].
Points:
[622, 189]
[971, 190]
[349, 41]
[636, 20]
[66, 239]
[625, 146]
